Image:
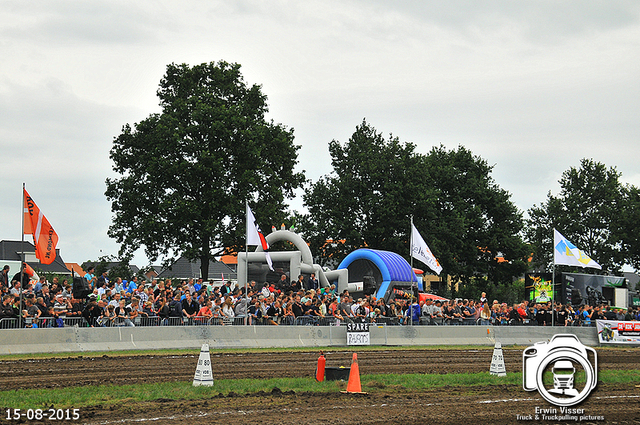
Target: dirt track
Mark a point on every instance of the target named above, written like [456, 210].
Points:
[617, 403]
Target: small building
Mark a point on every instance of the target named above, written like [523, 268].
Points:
[13, 251]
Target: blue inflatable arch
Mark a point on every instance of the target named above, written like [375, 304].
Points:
[392, 268]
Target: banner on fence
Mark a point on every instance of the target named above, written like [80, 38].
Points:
[616, 332]
[358, 334]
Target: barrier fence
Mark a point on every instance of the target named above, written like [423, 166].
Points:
[51, 322]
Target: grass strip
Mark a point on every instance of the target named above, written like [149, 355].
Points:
[106, 395]
[183, 352]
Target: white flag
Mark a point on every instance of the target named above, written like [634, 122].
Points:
[566, 253]
[253, 232]
[255, 236]
[420, 251]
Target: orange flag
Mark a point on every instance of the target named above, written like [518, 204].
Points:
[36, 224]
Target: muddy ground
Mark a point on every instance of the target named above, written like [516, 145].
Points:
[452, 405]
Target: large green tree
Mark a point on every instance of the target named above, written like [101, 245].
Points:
[629, 225]
[377, 184]
[186, 172]
[475, 226]
[588, 211]
[367, 199]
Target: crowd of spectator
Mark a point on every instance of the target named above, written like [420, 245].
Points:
[119, 302]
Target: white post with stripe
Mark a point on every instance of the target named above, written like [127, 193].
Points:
[204, 374]
[497, 361]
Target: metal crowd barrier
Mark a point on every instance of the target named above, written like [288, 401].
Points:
[49, 322]
[9, 323]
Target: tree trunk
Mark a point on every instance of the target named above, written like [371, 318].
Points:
[204, 259]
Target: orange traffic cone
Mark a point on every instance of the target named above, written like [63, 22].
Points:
[353, 386]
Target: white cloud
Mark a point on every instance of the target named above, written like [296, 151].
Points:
[532, 87]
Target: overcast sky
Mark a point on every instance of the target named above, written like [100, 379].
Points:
[531, 87]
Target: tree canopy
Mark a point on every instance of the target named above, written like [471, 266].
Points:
[377, 184]
[186, 172]
[475, 226]
[593, 210]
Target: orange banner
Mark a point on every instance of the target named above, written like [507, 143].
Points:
[36, 224]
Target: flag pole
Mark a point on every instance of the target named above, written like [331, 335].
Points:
[553, 289]
[246, 258]
[22, 256]
[411, 263]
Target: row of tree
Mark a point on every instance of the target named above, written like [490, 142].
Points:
[186, 172]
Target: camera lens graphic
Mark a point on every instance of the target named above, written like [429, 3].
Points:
[563, 392]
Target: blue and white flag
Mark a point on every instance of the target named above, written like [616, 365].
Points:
[566, 253]
[420, 251]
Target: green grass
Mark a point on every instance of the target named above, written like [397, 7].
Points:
[106, 395]
[179, 352]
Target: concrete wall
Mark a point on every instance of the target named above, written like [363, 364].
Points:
[72, 339]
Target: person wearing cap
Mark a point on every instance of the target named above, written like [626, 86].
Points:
[61, 306]
[91, 311]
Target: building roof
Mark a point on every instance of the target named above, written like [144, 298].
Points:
[75, 268]
[12, 251]
[230, 258]
[185, 269]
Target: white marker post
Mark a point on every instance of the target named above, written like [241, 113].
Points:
[497, 362]
[204, 374]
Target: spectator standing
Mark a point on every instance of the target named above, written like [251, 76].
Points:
[119, 286]
[31, 313]
[6, 309]
[38, 286]
[90, 277]
[103, 279]
[240, 309]
[190, 307]
[25, 277]
[296, 307]
[485, 315]
[163, 310]
[313, 282]
[132, 286]
[123, 313]
[413, 312]
[175, 307]
[275, 312]
[289, 317]
[227, 308]
[61, 306]
[226, 288]
[205, 313]
[91, 312]
[4, 277]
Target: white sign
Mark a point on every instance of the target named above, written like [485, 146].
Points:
[358, 334]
